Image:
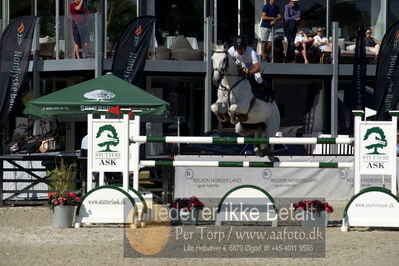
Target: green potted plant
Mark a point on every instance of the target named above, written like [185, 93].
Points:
[62, 201]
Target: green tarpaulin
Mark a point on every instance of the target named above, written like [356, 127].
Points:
[100, 93]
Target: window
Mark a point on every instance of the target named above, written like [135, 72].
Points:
[118, 15]
[367, 13]
[180, 17]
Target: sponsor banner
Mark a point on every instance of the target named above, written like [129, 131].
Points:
[132, 49]
[359, 72]
[374, 207]
[377, 142]
[108, 146]
[386, 93]
[332, 184]
[106, 204]
[15, 48]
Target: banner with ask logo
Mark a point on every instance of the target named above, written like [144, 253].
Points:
[132, 49]
[108, 145]
[15, 48]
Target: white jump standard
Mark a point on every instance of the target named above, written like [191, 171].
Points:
[375, 154]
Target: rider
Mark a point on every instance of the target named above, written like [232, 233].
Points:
[249, 66]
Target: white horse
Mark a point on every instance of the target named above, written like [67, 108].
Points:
[251, 116]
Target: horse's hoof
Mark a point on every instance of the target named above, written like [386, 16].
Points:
[273, 159]
[260, 152]
[222, 118]
[233, 120]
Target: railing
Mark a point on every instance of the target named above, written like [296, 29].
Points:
[23, 178]
[65, 48]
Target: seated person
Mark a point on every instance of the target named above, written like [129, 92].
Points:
[372, 44]
[301, 42]
[322, 42]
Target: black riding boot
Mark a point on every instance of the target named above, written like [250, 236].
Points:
[265, 92]
[269, 91]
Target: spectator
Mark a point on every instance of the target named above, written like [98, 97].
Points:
[372, 44]
[79, 28]
[270, 15]
[292, 15]
[249, 66]
[173, 22]
[322, 42]
[301, 42]
[370, 41]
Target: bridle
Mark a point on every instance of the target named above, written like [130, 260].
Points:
[225, 64]
[222, 71]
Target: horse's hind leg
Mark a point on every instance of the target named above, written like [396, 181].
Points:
[259, 131]
[273, 126]
[261, 149]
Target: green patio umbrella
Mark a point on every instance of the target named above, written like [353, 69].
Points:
[101, 93]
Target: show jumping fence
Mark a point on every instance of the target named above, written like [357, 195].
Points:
[242, 140]
[126, 156]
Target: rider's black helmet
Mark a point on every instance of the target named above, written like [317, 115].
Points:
[240, 42]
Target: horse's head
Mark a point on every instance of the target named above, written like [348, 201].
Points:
[220, 62]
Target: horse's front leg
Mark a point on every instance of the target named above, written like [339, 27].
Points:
[220, 110]
[239, 109]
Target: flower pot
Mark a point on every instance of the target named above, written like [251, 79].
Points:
[181, 216]
[63, 216]
[312, 219]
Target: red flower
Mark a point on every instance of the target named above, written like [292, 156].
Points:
[313, 206]
[186, 203]
[58, 198]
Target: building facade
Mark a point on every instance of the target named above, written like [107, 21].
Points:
[303, 91]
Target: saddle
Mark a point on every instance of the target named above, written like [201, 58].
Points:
[261, 91]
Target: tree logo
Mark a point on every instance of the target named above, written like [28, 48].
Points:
[108, 137]
[99, 95]
[375, 139]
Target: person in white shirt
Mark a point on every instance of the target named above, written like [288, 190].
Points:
[246, 58]
[322, 42]
[301, 42]
[249, 64]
